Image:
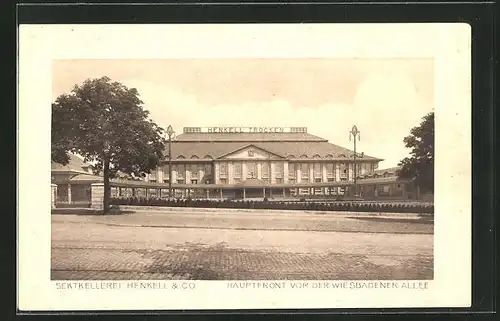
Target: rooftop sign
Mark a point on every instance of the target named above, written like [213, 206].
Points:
[248, 129]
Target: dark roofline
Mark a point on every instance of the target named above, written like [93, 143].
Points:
[272, 138]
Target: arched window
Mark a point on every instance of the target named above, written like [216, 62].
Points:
[329, 156]
[181, 157]
[303, 156]
[194, 157]
[208, 157]
[316, 156]
[291, 156]
[341, 156]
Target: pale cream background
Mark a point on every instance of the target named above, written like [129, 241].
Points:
[447, 44]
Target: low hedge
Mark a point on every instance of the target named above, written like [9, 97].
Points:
[302, 206]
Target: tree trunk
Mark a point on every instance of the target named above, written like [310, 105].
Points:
[107, 190]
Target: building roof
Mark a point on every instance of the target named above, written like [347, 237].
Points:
[286, 145]
[75, 164]
[248, 137]
[385, 172]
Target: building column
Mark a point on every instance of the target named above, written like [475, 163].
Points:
[264, 192]
[244, 194]
[53, 195]
[230, 173]
[69, 193]
[97, 196]
[187, 173]
[174, 177]
[324, 177]
[298, 174]
[244, 171]
[284, 193]
[272, 168]
[285, 172]
[311, 173]
[259, 170]
[201, 174]
[216, 173]
[376, 190]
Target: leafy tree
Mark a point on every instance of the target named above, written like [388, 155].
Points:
[105, 123]
[420, 165]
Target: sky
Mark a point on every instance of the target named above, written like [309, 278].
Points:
[384, 98]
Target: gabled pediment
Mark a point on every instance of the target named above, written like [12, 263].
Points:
[250, 152]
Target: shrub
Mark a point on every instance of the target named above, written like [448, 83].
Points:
[310, 205]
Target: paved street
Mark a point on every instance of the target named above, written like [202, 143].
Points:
[240, 245]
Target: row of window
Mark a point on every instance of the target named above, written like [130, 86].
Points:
[251, 167]
[180, 169]
[303, 156]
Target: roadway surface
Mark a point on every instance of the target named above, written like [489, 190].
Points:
[258, 245]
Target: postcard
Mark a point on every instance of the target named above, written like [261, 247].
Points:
[244, 166]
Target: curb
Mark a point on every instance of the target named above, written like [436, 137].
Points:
[289, 212]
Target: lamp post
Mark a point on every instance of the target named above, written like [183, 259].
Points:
[170, 132]
[355, 134]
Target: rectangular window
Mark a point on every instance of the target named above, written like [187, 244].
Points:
[223, 169]
[251, 170]
[236, 180]
[292, 172]
[223, 180]
[279, 180]
[181, 170]
[383, 190]
[208, 169]
[304, 169]
[278, 170]
[166, 171]
[237, 169]
[265, 170]
[330, 170]
[317, 170]
[194, 181]
[194, 170]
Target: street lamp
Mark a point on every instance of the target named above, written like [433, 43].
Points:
[170, 132]
[355, 134]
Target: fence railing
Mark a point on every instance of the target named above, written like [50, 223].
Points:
[388, 207]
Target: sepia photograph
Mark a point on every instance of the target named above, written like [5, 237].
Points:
[151, 179]
[283, 166]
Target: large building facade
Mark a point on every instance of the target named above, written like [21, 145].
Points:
[243, 161]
